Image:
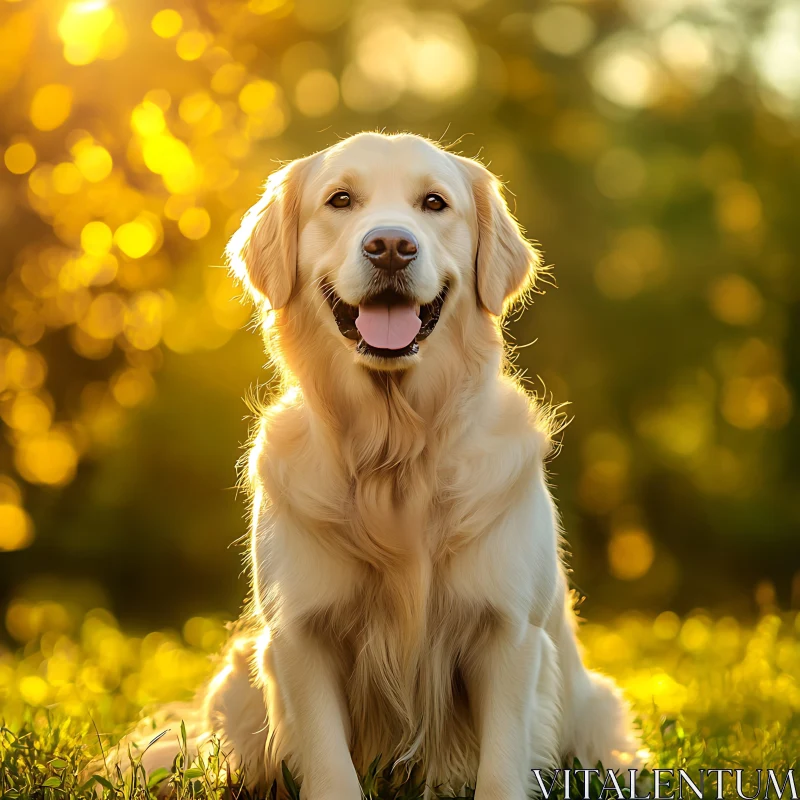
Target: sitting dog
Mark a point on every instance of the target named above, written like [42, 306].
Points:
[408, 592]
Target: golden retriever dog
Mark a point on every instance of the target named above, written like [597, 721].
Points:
[408, 592]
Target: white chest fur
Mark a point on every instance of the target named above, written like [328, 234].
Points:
[402, 574]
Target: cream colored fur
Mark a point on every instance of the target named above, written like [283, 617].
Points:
[409, 597]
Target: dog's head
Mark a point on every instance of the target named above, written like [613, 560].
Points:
[387, 239]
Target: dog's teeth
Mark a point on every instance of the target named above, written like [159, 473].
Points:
[417, 308]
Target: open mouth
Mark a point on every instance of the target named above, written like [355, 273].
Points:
[388, 324]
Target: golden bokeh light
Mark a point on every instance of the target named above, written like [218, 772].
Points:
[22, 369]
[9, 491]
[147, 119]
[20, 158]
[90, 29]
[93, 161]
[96, 238]
[228, 78]
[626, 73]
[191, 45]
[749, 403]
[144, 319]
[666, 625]
[105, 316]
[47, 458]
[194, 223]
[195, 107]
[67, 178]
[316, 93]
[738, 207]
[265, 6]
[28, 413]
[695, 634]
[167, 23]
[136, 238]
[172, 159]
[257, 96]
[34, 690]
[630, 553]
[446, 44]
[736, 300]
[564, 30]
[321, 16]
[16, 529]
[132, 387]
[51, 105]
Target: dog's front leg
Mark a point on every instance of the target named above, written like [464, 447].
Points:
[503, 685]
[309, 678]
[512, 675]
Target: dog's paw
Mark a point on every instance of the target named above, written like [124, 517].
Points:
[605, 732]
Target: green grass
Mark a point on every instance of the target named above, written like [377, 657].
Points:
[708, 694]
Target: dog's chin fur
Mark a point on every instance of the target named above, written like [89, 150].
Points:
[375, 363]
[403, 533]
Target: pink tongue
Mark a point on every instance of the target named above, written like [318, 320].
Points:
[388, 327]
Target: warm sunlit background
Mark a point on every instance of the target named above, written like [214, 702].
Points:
[653, 147]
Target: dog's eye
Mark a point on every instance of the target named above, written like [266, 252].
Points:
[434, 202]
[340, 200]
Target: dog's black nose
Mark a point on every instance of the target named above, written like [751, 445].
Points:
[391, 249]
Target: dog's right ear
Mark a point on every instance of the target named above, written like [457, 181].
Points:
[263, 252]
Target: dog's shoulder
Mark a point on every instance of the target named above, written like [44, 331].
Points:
[281, 440]
[506, 420]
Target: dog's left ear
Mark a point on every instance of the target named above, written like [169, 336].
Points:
[506, 261]
[263, 252]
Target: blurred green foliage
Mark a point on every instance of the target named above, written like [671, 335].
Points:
[709, 694]
[651, 146]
